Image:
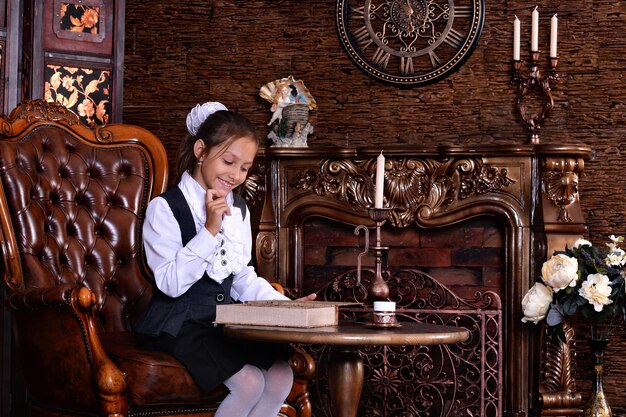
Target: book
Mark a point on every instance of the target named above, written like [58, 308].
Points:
[281, 313]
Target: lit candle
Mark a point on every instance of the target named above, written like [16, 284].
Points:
[554, 24]
[534, 38]
[380, 181]
[516, 39]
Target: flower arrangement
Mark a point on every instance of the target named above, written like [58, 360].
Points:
[582, 279]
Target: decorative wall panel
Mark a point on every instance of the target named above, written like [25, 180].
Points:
[79, 20]
[83, 26]
[76, 50]
[85, 91]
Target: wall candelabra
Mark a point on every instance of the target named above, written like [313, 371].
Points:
[539, 83]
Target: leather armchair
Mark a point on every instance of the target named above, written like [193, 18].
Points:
[71, 207]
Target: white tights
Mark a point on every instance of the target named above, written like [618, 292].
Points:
[256, 392]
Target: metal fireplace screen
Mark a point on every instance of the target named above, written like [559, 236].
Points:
[405, 381]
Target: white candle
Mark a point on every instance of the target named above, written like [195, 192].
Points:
[516, 39]
[384, 306]
[380, 181]
[554, 24]
[534, 38]
[385, 314]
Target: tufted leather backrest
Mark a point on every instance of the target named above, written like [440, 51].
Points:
[72, 202]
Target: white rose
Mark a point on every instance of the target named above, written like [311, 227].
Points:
[536, 303]
[596, 290]
[560, 271]
[581, 242]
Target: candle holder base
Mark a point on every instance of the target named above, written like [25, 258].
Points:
[378, 289]
[535, 82]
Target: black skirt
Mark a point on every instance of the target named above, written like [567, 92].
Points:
[210, 356]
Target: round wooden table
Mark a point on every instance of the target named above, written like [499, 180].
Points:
[345, 369]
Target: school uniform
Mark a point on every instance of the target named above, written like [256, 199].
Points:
[194, 271]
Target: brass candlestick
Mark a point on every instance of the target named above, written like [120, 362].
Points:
[378, 289]
[535, 82]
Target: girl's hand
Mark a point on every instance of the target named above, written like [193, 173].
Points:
[216, 209]
[309, 297]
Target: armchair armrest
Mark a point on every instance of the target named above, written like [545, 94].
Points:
[40, 297]
[56, 331]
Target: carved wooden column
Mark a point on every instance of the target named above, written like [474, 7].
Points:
[561, 219]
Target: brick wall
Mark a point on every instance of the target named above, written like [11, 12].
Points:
[464, 257]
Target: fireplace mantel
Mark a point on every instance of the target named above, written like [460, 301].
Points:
[530, 189]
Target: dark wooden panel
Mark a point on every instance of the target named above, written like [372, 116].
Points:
[2, 55]
[3, 14]
[79, 26]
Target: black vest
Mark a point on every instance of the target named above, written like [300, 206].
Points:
[166, 314]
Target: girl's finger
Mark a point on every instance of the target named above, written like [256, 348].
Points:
[210, 195]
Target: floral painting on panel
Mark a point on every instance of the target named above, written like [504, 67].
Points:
[79, 18]
[84, 91]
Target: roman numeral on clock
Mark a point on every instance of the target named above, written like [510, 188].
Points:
[406, 65]
[435, 61]
[357, 12]
[362, 37]
[454, 39]
[381, 58]
[463, 12]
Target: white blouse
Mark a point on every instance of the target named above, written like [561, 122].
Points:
[177, 268]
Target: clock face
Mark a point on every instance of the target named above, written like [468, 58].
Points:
[409, 42]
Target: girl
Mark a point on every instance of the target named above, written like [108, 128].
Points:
[198, 241]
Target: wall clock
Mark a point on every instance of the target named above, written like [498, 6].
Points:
[409, 42]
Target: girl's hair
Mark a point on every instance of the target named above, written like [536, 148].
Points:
[220, 128]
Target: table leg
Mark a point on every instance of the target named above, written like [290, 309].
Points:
[345, 380]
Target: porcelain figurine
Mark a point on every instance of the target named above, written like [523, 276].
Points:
[291, 102]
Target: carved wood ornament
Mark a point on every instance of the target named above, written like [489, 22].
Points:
[560, 183]
[413, 187]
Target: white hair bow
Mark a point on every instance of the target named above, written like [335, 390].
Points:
[199, 114]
